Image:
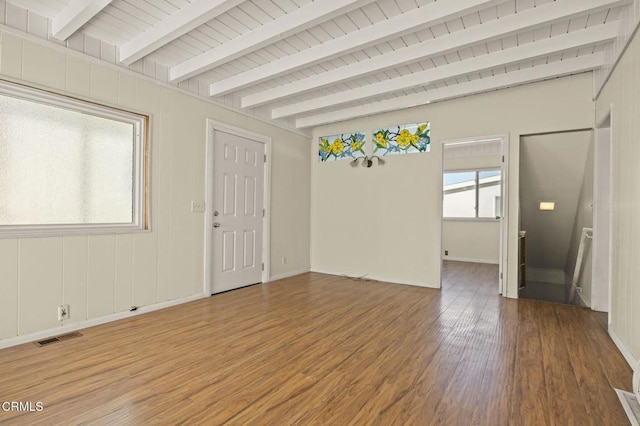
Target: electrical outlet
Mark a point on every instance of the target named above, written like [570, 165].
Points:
[284, 260]
[63, 312]
[197, 206]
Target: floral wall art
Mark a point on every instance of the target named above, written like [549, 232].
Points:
[338, 147]
[403, 139]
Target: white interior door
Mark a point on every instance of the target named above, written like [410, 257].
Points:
[238, 194]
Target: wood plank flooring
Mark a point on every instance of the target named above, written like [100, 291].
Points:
[320, 349]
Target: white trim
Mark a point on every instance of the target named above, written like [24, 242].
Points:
[377, 278]
[464, 259]
[175, 25]
[74, 15]
[212, 126]
[528, 19]
[611, 216]
[626, 353]
[396, 26]
[600, 126]
[503, 288]
[280, 28]
[625, 405]
[597, 34]
[27, 338]
[580, 302]
[289, 274]
[140, 122]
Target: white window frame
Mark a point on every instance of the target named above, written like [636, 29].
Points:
[477, 194]
[140, 222]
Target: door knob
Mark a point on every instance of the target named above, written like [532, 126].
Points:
[216, 225]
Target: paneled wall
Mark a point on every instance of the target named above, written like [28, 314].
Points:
[621, 95]
[385, 221]
[101, 275]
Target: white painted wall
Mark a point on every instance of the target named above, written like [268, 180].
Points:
[102, 275]
[622, 92]
[385, 221]
[473, 241]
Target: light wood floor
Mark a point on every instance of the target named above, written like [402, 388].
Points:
[319, 349]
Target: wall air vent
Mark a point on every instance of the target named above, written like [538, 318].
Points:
[60, 338]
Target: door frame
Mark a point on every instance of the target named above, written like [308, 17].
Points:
[212, 127]
[504, 222]
[606, 124]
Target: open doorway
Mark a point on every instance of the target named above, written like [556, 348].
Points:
[474, 204]
[556, 216]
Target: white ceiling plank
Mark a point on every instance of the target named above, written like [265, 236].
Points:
[397, 26]
[529, 75]
[174, 26]
[493, 30]
[284, 26]
[75, 15]
[543, 48]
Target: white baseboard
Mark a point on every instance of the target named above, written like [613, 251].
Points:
[376, 278]
[581, 302]
[629, 402]
[626, 353]
[39, 335]
[462, 259]
[288, 274]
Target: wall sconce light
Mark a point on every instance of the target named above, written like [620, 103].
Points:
[367, 161]
[547, 205]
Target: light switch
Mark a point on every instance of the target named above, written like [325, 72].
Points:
[197, 206]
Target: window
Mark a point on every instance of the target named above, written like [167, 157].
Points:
[69, 167]
[472, 194]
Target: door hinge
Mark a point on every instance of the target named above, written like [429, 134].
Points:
[500, 275]
[265, 158]
[503, 158]
[263, 266]
[264, 212]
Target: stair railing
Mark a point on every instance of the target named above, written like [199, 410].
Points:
[587, 233]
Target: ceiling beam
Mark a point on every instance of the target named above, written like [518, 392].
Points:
[525, 20]
[299, 20]
[405, 23]
[74, 15]
[514, 78]
[173, 26]
[574, 40]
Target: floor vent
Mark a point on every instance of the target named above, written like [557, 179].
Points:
[60, 338]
